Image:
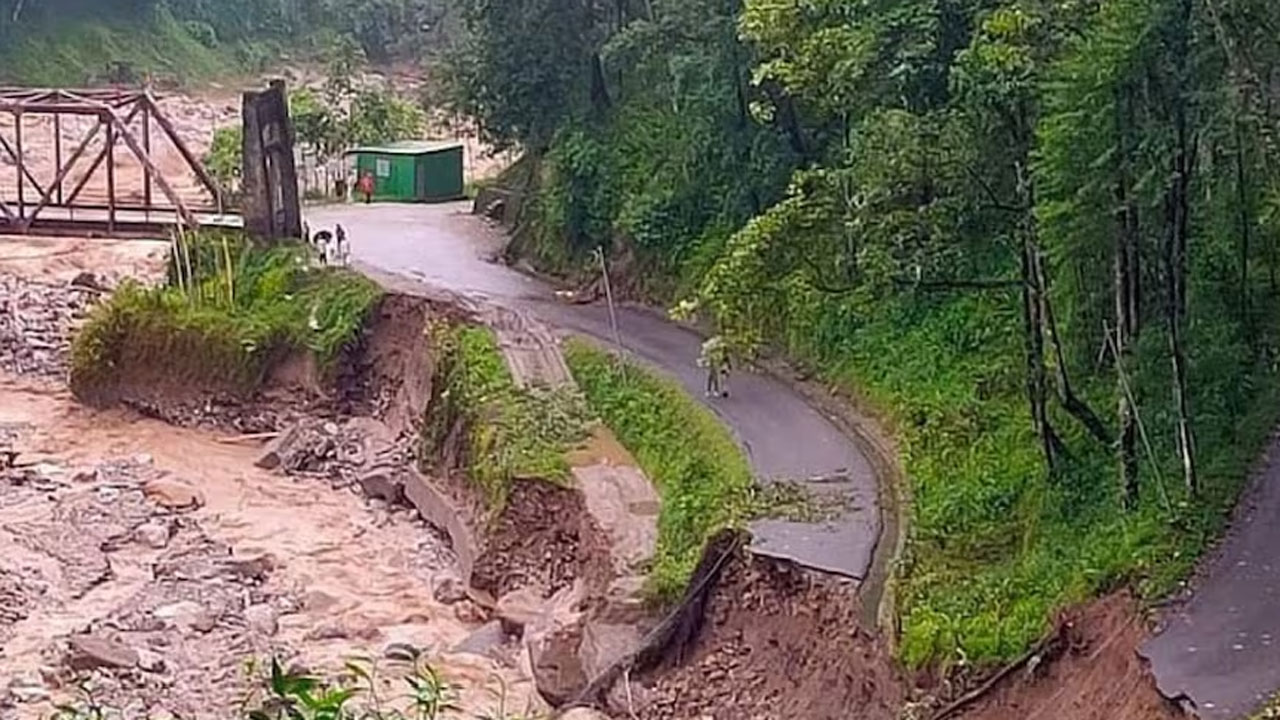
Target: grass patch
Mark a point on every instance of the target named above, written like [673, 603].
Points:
[703, 479]
[229, 310]
[509, 433]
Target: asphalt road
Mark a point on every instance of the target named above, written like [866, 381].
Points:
[784, 438]
[1222, 647]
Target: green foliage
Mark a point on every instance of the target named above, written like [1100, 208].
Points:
[229, 312]
[355, 694]
[73, 42]
[923, 200]
[225, 159]
[510, 433]
[703, 479]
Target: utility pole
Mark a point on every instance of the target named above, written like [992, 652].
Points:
[613, 314]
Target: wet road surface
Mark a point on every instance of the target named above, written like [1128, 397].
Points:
[1222, 648]
[784, 438]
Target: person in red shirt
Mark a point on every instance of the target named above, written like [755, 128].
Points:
[366, 187]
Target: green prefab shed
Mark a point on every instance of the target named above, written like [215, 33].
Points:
[412, 171]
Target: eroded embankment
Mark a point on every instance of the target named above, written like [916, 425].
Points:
[157, 560]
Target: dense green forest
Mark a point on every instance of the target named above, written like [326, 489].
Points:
[77, 41]
[1039, 236]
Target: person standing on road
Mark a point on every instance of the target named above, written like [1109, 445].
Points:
[715, 358]
[366, 186]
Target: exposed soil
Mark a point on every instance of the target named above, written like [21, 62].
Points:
[544, 538]
[1095, 675]
[161, 594]
[779, 641]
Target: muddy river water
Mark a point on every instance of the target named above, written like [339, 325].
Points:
[186, 560]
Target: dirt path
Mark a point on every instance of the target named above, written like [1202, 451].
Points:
[784, 437]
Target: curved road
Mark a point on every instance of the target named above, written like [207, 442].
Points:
[1221, 648]
[784, 438]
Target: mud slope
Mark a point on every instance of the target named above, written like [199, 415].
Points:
[778, 641]
[1093, 672]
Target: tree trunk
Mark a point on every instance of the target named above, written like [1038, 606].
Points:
[1178, 201]
[1126, 272]
[1246, 222]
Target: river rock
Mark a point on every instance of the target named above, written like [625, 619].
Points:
[187, 614]
[87, 652]
[154, 534]
[27, 691]
[483, 641]
[382, 485]
[173, 495]
[521, 608]
[604, 644]
[262, 619]
[449, 589]
[582, 713]
[557, 669]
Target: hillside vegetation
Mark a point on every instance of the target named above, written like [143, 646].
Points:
[73, 42]
[1041, 236]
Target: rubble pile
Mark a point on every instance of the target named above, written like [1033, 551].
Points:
[183, 611]
[36, 321]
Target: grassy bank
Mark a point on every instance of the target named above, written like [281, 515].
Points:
[228, 311]
[701, 474]
[997, 548]
[510, 433]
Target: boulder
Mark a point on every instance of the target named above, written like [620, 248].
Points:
[449, 589]
[87, 652]
[557, 669]
[521, 608]
[604, 644]
[382, 484]
[186, 614]
[153, 534]
[253, 568]
[173, 495]
[262, 619]
[484, 641]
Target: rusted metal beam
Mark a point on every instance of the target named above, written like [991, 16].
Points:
[129, 140]
[196, 166]
[111, 175]
[146, 146]
[65, 108]
[97, 162]
[46, 198]
[93, 169]
[17, 159]
[57, 150]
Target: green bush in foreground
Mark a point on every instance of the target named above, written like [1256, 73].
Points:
[229, 310]
[512, 433]
[360, 692]
[701, 474]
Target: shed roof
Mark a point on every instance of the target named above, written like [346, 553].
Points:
[407, 147]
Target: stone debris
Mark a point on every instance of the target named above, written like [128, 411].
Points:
[87, 652]
[173, 495]
[36, 321]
